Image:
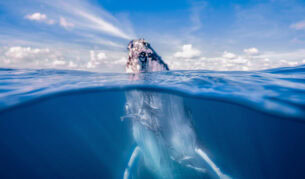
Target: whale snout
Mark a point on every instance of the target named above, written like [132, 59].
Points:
[142, 58]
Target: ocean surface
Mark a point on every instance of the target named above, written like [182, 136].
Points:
[69, 124]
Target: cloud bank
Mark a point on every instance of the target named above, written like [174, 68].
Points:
[250, 59]
[187, 58]
[75, 59]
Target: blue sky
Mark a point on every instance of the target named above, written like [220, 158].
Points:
[93, 34]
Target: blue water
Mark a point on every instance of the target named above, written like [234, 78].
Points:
[67, 124]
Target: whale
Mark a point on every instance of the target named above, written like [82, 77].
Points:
[162, 128]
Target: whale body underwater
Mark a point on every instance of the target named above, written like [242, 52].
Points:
[152, 122]
[161, 124]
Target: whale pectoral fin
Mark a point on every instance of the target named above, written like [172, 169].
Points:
[211, 164]
[132, 162]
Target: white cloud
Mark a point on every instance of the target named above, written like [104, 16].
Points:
[36, 17]
[252, 59]
[101, 56]
[95, 59]
[72, 65]
[39, 17]
[106, 61]
[78, 59]
[251, 51]
[87, 17]
[238, 62]
[28, 57]
[101, 25]
[196, 10]
[228, 55]
[89, 25]
[59, 62]
[64, 23]
[187, 52]
[110, 61]
[24, 52]
[298, 26]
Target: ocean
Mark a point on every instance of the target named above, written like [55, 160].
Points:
[71, 124]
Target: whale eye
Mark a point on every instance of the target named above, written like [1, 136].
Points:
[142, 57]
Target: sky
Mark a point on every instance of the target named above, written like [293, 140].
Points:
[92, 35]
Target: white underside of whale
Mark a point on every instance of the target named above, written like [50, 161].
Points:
[164, 136]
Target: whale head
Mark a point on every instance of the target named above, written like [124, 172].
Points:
[143, 58]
